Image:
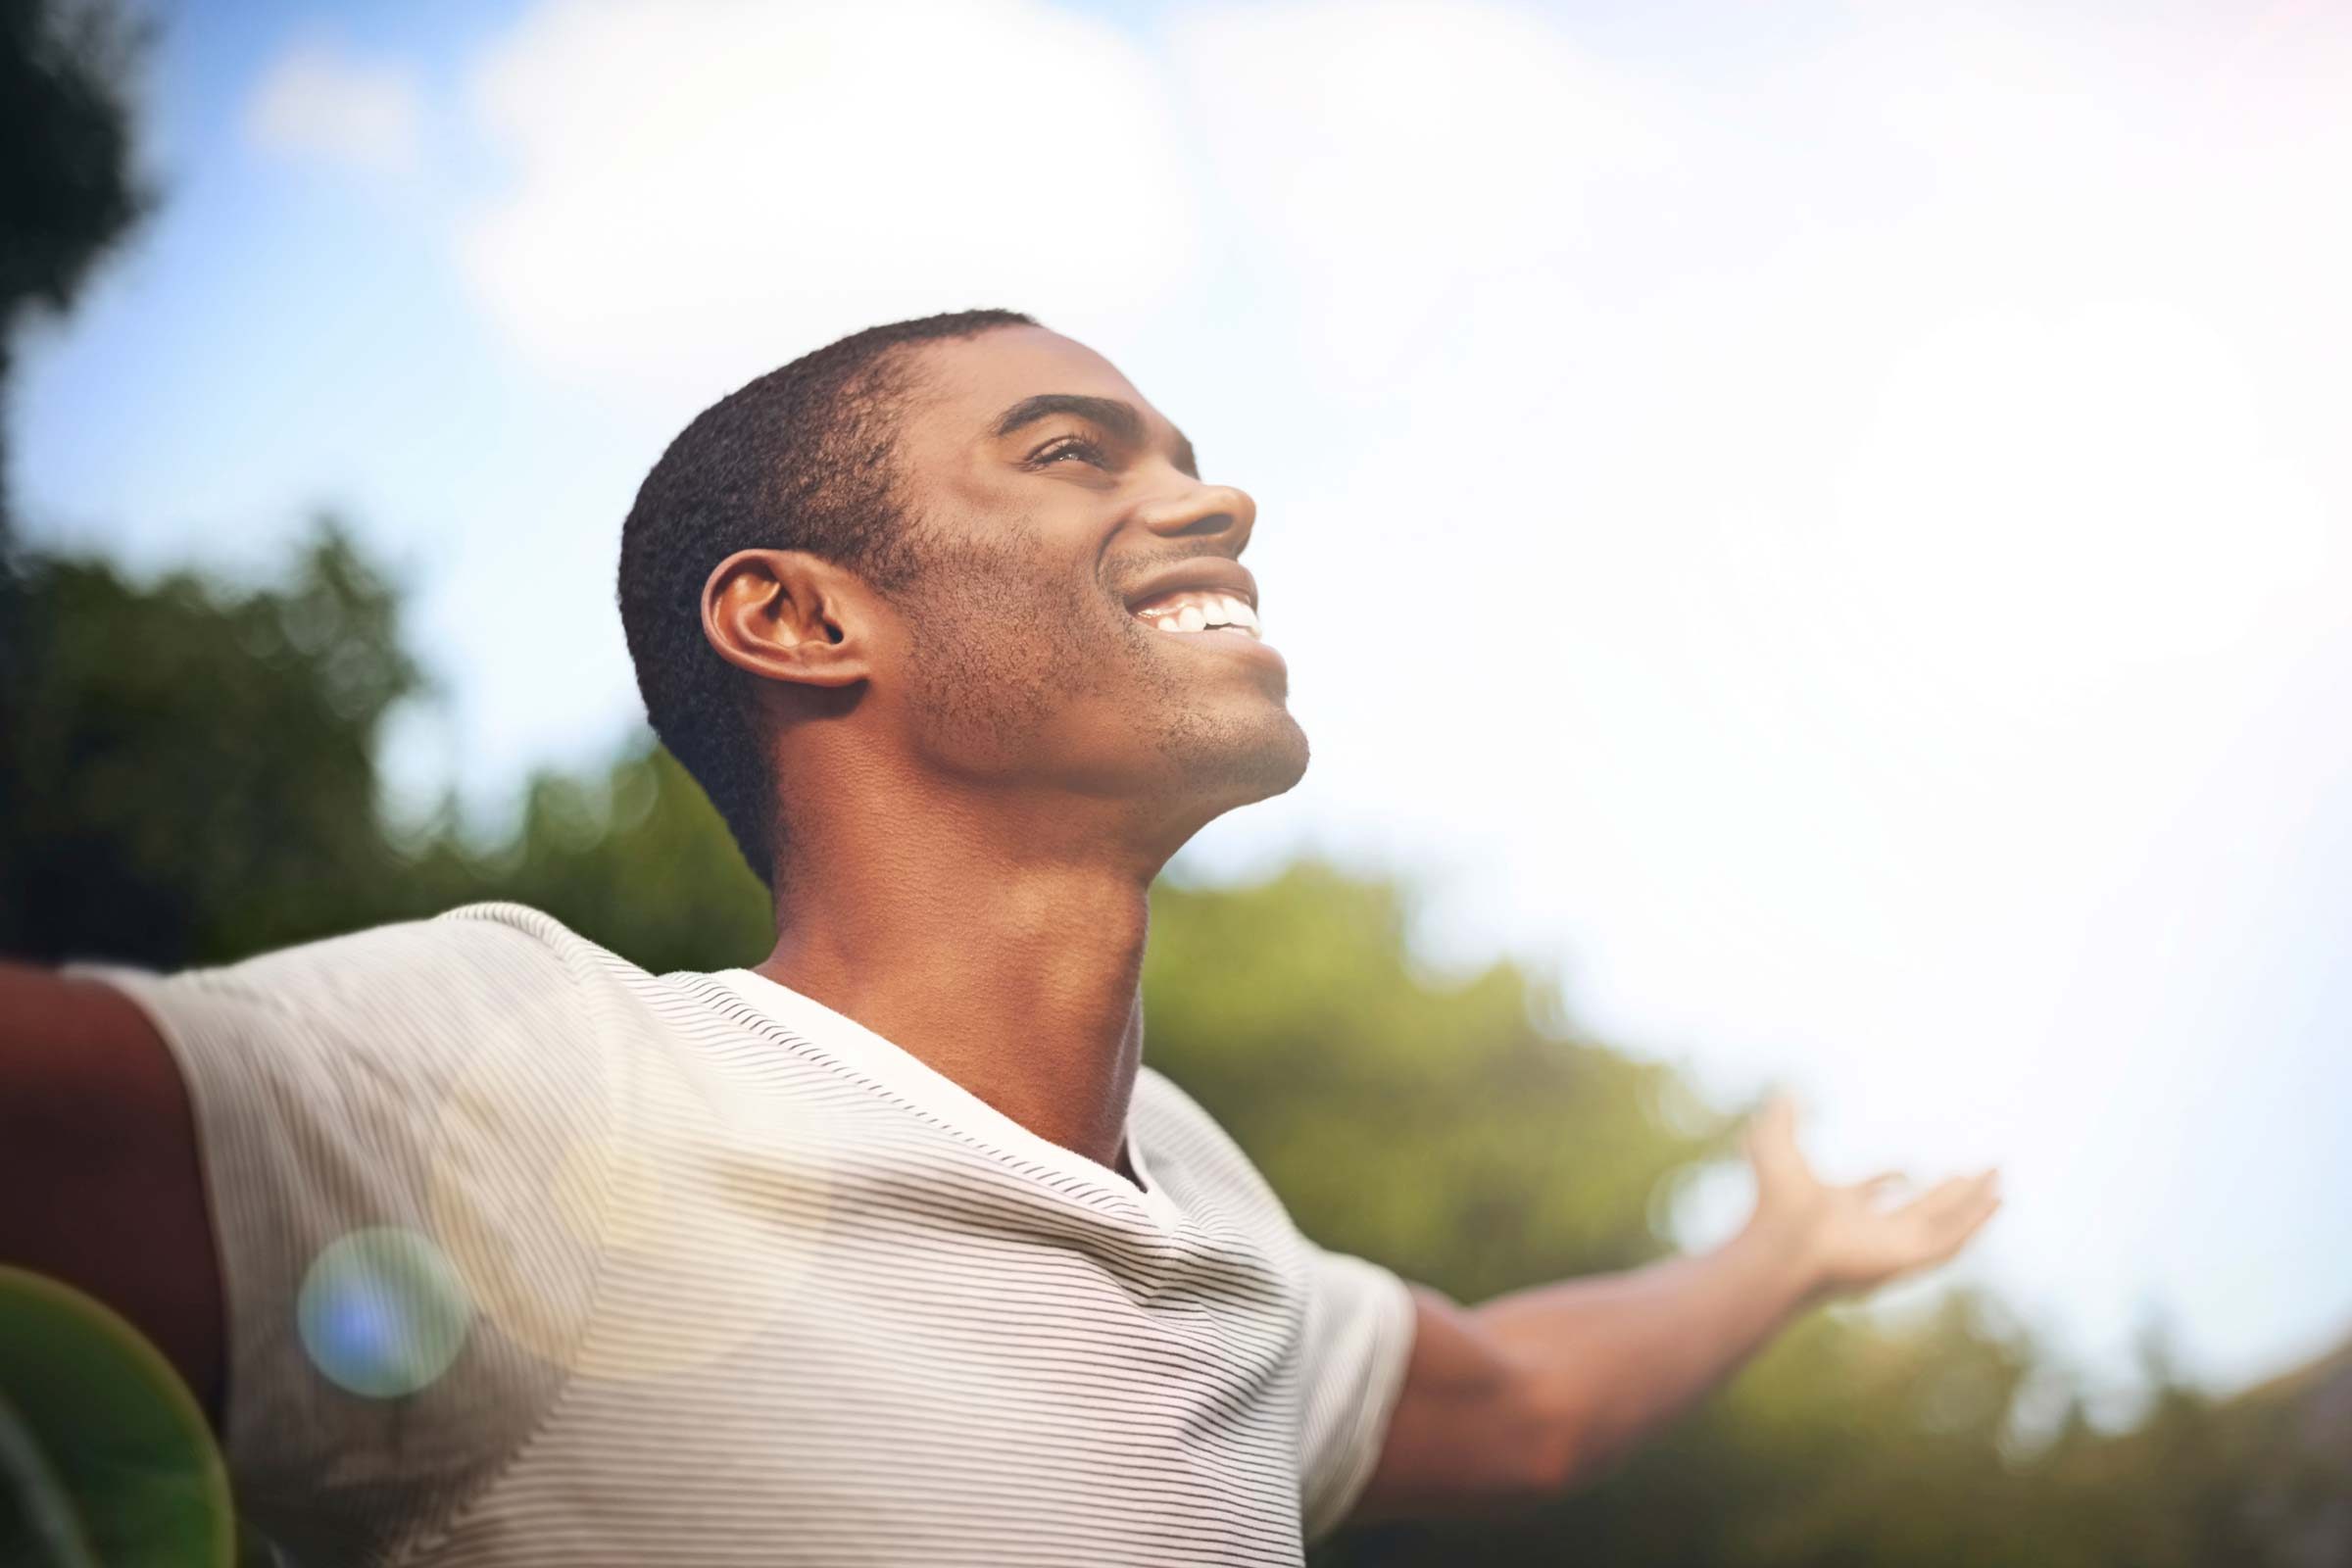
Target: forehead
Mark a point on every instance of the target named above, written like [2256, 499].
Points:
[967, 383]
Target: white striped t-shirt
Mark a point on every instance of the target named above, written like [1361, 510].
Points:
[535, 1257]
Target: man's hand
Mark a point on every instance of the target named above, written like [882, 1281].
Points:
[1851, 1238]
[1544, 1388]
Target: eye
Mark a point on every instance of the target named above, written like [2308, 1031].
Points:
[1083, 447]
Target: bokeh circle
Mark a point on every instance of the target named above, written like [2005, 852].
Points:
[383, 1313]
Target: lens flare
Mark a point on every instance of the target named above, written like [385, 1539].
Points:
[662, 1185]
[382, 1314]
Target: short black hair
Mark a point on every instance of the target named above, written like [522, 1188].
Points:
[799, 459]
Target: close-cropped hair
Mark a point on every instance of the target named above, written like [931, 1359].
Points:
[800, 458]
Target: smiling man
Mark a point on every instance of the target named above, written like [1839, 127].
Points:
[487, 1247]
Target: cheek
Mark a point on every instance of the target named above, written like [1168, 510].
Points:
[1054, 632]
[1002, 639]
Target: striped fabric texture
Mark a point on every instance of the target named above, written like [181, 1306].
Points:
[534, 1257]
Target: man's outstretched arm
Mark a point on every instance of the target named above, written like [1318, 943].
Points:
[1541, 1390]
[99, 1164]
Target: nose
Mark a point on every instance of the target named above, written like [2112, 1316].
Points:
[1216, 511]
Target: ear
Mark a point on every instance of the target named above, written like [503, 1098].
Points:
[789, 615]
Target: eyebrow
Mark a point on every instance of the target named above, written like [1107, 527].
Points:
[1119, 417]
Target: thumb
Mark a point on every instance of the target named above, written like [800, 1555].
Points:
[1772, 1140]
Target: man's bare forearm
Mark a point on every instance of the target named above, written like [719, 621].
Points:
[1612, 1357]
[1510, 1401]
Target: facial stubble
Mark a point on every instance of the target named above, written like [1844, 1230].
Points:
[1009, 642]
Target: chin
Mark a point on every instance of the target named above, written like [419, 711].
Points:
[1236, 762]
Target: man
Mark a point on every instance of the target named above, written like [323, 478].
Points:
[487, 1247]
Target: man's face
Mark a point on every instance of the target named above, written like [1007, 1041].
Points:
[1066, 624]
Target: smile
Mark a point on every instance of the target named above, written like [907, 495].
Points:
[1193, 610]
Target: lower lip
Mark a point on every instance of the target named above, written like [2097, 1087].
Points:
[1239, 644]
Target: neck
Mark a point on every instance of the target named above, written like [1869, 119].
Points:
[991, 951]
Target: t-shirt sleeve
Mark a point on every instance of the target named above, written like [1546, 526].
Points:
[377, 1117]
[1359, 1334]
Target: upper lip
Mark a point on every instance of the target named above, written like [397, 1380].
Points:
[1201, 573]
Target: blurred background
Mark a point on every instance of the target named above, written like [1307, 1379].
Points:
[1813, 541]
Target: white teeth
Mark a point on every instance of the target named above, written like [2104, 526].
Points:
[1198, 610]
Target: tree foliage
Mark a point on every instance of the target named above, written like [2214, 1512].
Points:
[68, 186]
[191, 768]
[68, 182]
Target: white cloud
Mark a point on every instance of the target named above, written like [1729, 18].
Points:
[1403, 155]
[702, 192]
[317, 103]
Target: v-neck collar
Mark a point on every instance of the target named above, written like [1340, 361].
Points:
[927, 1088]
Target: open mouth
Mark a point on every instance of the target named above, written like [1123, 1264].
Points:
[1198, 610]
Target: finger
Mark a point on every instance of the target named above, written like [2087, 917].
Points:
[1947, 1197]
[1968, 1202]
[1936, 1197]
[1983, 1201]
[1930, 1239]
[1962, 1227]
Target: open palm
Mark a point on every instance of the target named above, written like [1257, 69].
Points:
[1857, 1236]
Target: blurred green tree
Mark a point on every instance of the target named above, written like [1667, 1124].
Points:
[1294, 1014]
[69, 191]
[192, 780]
[638, 859]
[190, 769]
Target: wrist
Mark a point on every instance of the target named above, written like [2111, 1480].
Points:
[1789, 1251]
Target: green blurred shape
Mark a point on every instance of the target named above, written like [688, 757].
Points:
[105, 1457]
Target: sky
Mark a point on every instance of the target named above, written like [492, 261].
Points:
[1826, 525]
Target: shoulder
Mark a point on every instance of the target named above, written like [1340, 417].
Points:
[490, 944]
[394, 1011]
[1187, 1148]
[489, 960]
[1175, 1120]
[452, 1089]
